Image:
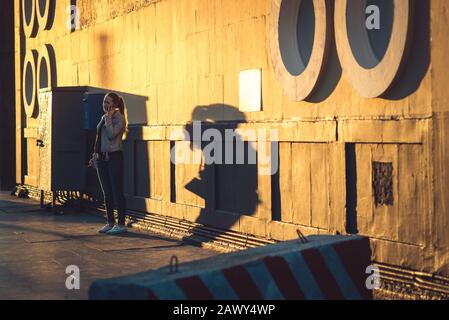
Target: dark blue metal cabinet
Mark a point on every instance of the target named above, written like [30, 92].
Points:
[64, 115]
[93, 110]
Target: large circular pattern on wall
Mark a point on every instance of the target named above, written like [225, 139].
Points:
[43, 13]
[298, 55]
[29, 83]
[44, 69]
[29, 17]
[370, 75]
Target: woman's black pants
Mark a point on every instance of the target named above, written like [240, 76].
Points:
[110, 174]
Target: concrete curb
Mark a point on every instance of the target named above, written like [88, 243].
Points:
[327, 267]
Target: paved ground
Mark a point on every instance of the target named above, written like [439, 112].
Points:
[36, 246]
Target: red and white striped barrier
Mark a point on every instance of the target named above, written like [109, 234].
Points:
[327, 267]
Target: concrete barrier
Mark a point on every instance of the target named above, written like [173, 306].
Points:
[326, 267]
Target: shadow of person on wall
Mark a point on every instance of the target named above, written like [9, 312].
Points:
[228, 178]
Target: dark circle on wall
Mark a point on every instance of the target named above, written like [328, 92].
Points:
[42, 7]
[29, 79]
[43, 75]
[29, 18]
[380, 39]
[28, 8]
[369, 46]
[45, 13]
[299, 44]
[29, 83]
[296, 34]
[46, 68]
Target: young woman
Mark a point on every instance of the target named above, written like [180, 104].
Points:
[108, 160]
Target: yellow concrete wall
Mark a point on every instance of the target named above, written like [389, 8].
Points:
[440, 143]
[196, 49]
[182, 54]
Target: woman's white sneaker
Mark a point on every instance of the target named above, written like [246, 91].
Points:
[117, 230]
[106, 228]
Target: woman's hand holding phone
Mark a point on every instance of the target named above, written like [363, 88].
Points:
[109, 111]
[108, 114]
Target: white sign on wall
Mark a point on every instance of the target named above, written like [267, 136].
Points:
[250, 90]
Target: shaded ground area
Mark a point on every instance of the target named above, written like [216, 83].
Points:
[36, 246]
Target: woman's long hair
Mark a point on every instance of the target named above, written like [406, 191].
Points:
[120, 103]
